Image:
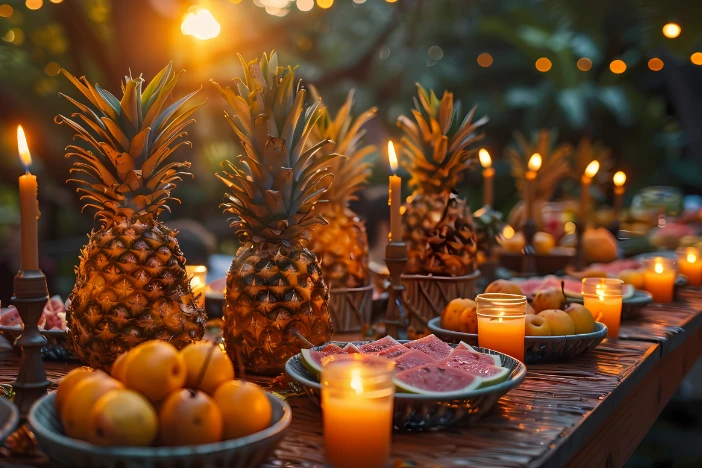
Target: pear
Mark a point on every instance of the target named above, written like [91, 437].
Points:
[582, 318]
[549, 298]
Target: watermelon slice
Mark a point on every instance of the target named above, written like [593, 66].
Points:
[436, 380]
[492, 359]
[351, 348]
[312, 360]
[375, 347]
[432, 346]
[573, 287]
[394, 352]
[412, 358]
[466, 361]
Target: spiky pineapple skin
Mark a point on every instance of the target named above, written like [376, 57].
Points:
[430, 251]
[342, 247]
[131, 286]
[275, 291]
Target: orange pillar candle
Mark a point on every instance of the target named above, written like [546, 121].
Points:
[488, 176]
[29, 207]
[603, 298]
[502, 323]
[357, 410]
[395, 198]
[198, 282]
[690, 265]
[659, 278]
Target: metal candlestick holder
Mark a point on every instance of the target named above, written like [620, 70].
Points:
[579, 251]
[30, 298]
[529, 261]
[396, 322]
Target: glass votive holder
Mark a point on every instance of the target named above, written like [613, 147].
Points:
[502, 323]
[690, 265]
[659, 278]
[603, 298]
[198, 282]
[357, 410]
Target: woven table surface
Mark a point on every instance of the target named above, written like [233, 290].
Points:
[527, 427]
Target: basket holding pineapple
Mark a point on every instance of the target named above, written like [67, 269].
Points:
[437, 224]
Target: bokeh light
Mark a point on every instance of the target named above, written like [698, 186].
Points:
[56, 1]
[34, 4]
[543, 64]
[696, 58]
[304, 5]
[655, 64]
[584, 64]
[617, 66]
[325, 3]
[200, 24]
[484, 60]
[672, 30]
[384, 52]
[52, 68]
[435, 52]
[6, 11]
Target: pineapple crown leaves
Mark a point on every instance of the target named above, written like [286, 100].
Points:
[279, 178]
[555, 164]
[587, 151]
[130, 142]
[352, 172]
[436, 149]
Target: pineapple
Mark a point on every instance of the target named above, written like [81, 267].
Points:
[438, 226]
[554, 168]
[342, 244]
[131, 285]
[276, 296]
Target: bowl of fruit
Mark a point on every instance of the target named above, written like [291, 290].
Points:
[555, 330]
[437, 384]
[160, 407]
[548, 258]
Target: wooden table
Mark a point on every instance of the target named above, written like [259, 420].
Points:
[592, 411]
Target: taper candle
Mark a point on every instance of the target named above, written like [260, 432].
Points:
[29, 207]
[488, 176]
[534, 165]
[395, 197]
[619, 180]
[586, 180]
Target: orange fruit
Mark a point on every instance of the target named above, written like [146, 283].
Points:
[67, 384]
[245, 408]
[75, 414]
[219, 368]
[123, 418]
[190, 417]
[154, 368]
[117, 370]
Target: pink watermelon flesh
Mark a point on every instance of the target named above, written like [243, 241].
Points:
[465, 353]
[328, 350]
[436, 378]
[466, 361]
[432, 346]
[394, 352]
[375, 347]
[412, 358]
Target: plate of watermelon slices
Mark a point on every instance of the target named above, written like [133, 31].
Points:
[437, 384]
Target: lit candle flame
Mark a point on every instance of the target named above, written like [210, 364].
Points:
[356, 382]
[691, 257]
[485, 159]
[535, 162]
[508, 232]
[619, 179]
[658, 268]
[392, 157]
[592, 169]
[599, 290]
[200, 24]
[24, 154]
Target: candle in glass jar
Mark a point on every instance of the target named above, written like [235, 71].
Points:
[395, 198]
[603, 298]
[502, 323]
[29, 207]
[357, 410]
[198, 281]
[659, 278]
[690, 265]
[488, 176]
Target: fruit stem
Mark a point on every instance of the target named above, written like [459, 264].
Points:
[201, 377]
[565, 298]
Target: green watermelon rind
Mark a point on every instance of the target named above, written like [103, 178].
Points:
[462, 393]
[495, 379]
[495, 357]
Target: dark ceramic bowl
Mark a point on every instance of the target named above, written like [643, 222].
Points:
[9, 417]
[537, 349]
[419, 412]
[245, 452]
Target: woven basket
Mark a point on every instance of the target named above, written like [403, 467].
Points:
[426, 296]
[351, 308]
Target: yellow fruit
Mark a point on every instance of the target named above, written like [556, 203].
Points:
[537, 326]
[190, 417]
[543, 243]
[75, 414]
[67, 384]
[633, 277]
[549, 298]
[559, 322]
[219, 368]
[451, 315]
[245, 408]
[468, 322]
[504, 287]
[118, 367]
[599, 245]
[582, 318]
[514, 244]
[154, 368]
[123, 418]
